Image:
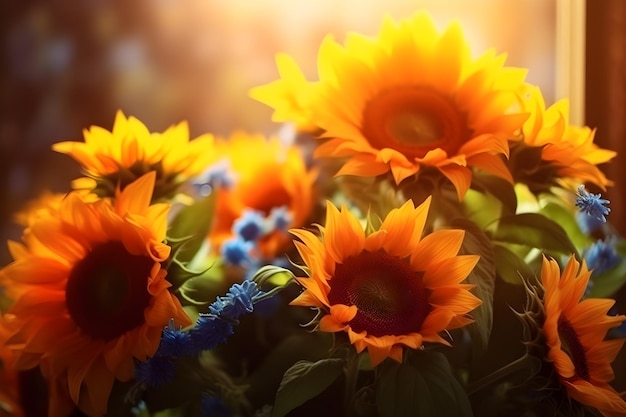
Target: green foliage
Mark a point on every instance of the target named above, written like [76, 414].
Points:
[421, 386]
[566, 219]
[607, 283]
[264, 382]
[482, 276]
[303, 381]
[186, 234]
[502, 190]
[192, 223]
[510, 267]
[535, 231]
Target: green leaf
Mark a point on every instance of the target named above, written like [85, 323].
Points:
[509, 266]
[303, 381]
[192, 224]
[483, 276]
[263, 383]
[498, 187]
[421, 386]
[566, 218]
[536, 231]
[186, 233]
[607, 283]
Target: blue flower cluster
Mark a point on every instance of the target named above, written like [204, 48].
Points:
[601, 256]
[592, 204]
[211, 329]
[217, 175]
[242, 249]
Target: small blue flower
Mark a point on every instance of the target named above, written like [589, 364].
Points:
[237, 252]
[219, 174]
[209, 332]
[280, 218]
[174, 342]
[592, 204]
[601, 256]
[156, 371]
[238, 301]
[250, 226]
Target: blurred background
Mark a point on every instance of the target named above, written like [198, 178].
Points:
[67, 65]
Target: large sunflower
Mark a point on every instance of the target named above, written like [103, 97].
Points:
[391, 288]
[130, 150]
[567, 152]
[574, 331]
[90, 293]
[267, 175]
[411, 98]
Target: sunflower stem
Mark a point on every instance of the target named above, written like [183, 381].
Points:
[517, 365]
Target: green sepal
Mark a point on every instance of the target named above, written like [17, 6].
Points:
[303, 381]
[535, 231]
[421, 386]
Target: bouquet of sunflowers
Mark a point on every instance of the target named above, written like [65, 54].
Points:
[416, 241]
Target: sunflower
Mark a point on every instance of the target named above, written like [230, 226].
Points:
[567, 152]
[409, 99]
[90, 292]
[575, 331]
[268, 175]
[391, 288]
[131, 150]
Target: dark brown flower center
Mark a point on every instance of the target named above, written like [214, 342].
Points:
[390, 297]
[570, 344]
[106, 292]
[414, 121]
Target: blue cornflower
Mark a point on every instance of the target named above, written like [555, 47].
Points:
[209, 332]
[588, 224]
[238, 301]
[156, 371]
[250, 226]
[601, 256]
[219, 174]
[174, 342]
[592, 204]
[214, 407]
[280, 218]
[237, 251]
